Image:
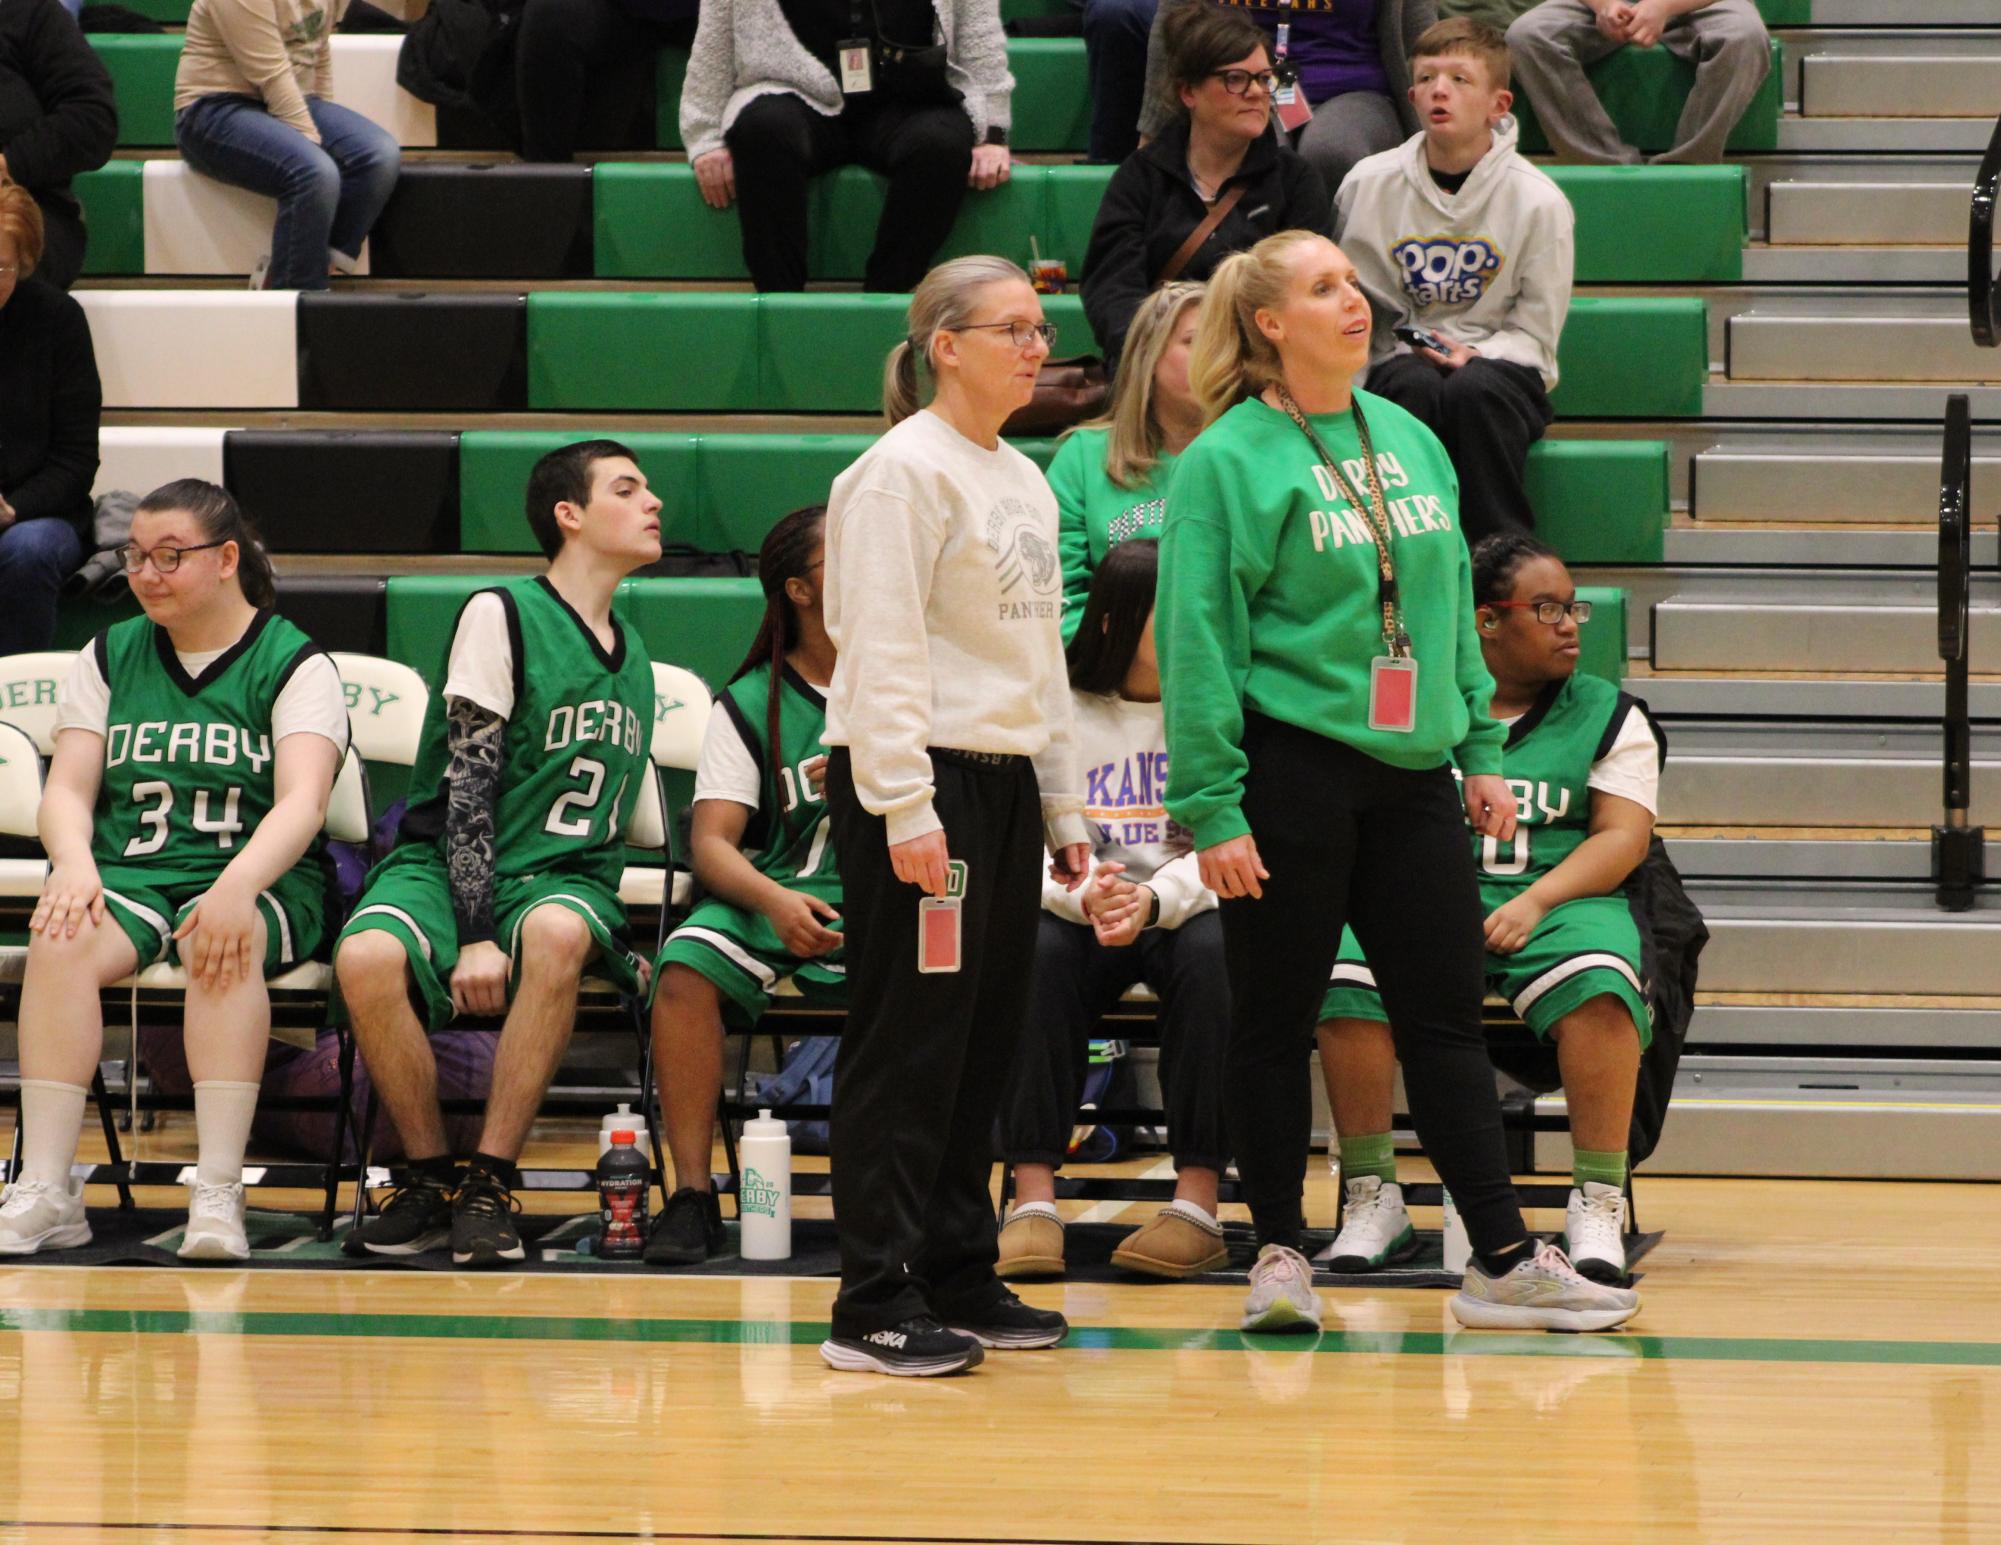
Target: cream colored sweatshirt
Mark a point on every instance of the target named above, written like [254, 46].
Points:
[280, 50]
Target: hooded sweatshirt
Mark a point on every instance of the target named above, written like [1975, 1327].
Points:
[1489, 266]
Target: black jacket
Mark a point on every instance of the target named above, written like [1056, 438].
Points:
[1150, 208]
[58, 116]
[49, 403]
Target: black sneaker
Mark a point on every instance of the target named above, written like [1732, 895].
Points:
[416, 1216]
[1007, 1324]
[916, 1348]
[483, 1231]
[688, 1231]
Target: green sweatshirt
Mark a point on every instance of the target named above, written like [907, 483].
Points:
[1268, 602]
[1097, 514]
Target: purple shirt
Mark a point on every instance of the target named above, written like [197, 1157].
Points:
[1333, 44]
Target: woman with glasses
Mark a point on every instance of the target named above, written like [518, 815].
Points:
[49, 404]
[196, 748]
[951, 767]
[1215, 181]
[1322, 674]
[1563, 945]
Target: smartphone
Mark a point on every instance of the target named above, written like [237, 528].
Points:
[1423, 338]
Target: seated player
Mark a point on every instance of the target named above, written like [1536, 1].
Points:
[1143, 916]
[504, 878]
[196, 748]
[762, 856]
[1563, 946]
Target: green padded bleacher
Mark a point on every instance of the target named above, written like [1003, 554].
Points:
[1597, 501]
[1621, 357]
[1644, 89]
[1602, 640]
[142, 74]
[114, 209]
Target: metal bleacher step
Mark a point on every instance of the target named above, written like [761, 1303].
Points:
[1693, 546]
[1773, 852]
[1748, 773]
[1779, 937]
[1885, 213]
[1844, 477]
[1804, 697]
[1754, 622]
[1785, 345]
[1927, 82]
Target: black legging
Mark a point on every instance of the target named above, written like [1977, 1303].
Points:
[582, 69]
[1349, 839]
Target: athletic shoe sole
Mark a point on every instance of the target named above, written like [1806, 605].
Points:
[1013, 1340]
[488, 1257]
[1406, 1244]
[1605, 1273]
[1479, 1314]
[437, 1239]
[1170, 1271]
[846, 1357]
[213, 1247]
[678, 1257]
[1024, 1266]
[1283, 1317]
[65, 1236]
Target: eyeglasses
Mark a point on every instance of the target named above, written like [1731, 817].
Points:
[1549, 613]
[1020, 334]
[1238, 82]
[8, 270]
[165, 559]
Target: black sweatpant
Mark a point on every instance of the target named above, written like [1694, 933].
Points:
[1349, 839]
[63, 241]
[1487, 413]
[924, 1058]
[1077, 981]
[778, 145]
[582, 69]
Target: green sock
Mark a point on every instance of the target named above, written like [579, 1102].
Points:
[1374, 1154]
[1608, 1169]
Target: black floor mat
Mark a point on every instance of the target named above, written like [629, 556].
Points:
[283, 1240]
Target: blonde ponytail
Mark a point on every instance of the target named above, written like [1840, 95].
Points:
[944, 299]
[1231, 358]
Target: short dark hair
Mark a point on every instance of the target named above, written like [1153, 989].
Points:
[1203, 38]
[564, 477]
[1463, 35]
[1498, 558]
[1115, 613]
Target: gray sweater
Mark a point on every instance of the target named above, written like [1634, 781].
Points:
[745, 49]
[1398, 23]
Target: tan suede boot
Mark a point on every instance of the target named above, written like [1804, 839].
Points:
[1031, 1245]
[1172, 1245]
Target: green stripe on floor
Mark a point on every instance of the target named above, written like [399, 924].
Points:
[1089, 1338]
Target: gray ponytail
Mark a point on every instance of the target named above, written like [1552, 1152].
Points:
[944, 299]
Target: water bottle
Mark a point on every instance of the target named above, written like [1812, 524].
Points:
[624, 1119]
[1458, 1248]
[623, 1180]
[764, 1201]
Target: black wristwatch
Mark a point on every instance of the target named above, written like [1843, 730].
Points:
[1153, 909]
[996, 135]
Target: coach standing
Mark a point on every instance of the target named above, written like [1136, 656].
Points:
[1319, 663]
[952, 764]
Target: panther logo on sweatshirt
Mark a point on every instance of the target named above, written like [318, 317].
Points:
[1446, 270]
[1021, 552]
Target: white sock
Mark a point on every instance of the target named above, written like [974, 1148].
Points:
[51, 1124]
[1194, 1210]
[224, 1109]
[1034, 1210]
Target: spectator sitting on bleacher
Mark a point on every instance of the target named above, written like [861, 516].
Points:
[1115, 41]
[196, 748]
[1110, 476]
[1466, 252]
[1144, 915]
[1218, 178]
[1349, 65]
[506, 869]
[1563, 943]
[252, 108]
[583, 67]
[769, 913]
[58, 118]
[50, 399]
[777, 93]
[1725, 39]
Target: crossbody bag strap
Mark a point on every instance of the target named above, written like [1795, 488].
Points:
[1217, 212]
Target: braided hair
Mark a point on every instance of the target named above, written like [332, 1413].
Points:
[1498, 558]
[787, 554]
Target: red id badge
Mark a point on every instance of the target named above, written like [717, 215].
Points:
[1294, 111]
[1393, 693]
[938, 918]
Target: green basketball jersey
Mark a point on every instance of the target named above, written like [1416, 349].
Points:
[1547, 761]
[576, 747]
[188, 760]
[788, 837]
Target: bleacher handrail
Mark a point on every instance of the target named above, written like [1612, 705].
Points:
[1955, 539]
[1956, 845]
[1983, 299]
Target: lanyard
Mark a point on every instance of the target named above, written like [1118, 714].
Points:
[1374, 509]
[1282, 40]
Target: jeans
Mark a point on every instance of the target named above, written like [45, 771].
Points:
[1115, 36]
[329, 195]
[36, 556]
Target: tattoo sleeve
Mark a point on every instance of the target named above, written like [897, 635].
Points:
[474, 738]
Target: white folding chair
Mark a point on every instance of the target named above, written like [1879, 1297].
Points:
[29, 686]
[386, 700]
[23, 867]
[681, 707]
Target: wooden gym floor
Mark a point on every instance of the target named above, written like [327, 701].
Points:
[1815, 1361]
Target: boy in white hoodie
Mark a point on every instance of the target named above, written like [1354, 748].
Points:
[1465, 250]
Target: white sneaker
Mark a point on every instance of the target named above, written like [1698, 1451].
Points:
[1594, 1232]
[1374, 1226]
[1282, 1296]
[260, 271]
[1543, 1293]
[35, 1215]
[215, 1225]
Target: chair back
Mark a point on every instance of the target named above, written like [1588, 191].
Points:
[29, 684]
[386, 700]
[681, 705]
[347, 806]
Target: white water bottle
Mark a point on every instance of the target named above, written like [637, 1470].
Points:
[764, 1199]
[1458, 1248]
[624, 1119]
